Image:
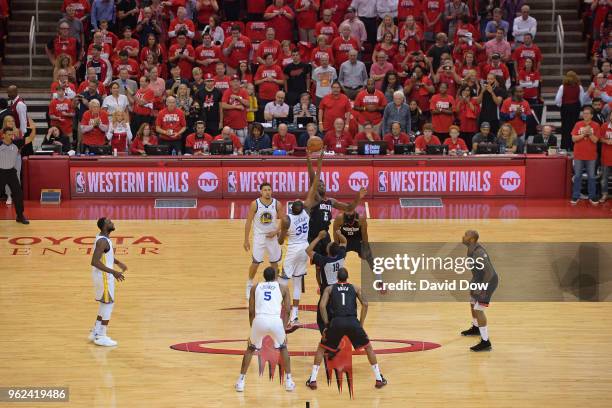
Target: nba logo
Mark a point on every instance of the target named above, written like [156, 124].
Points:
[382, 181]
[80, 182]
[231, 182]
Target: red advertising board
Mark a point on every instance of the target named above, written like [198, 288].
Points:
[292, 182]
[89, 182]
[449, 181]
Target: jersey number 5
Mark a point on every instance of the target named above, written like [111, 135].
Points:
[268, 295]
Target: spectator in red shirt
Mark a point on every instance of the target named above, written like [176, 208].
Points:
[63, 43]
[125, 62]
[81, 8]
[433, 10]
[144, 137]
[395, 137]
[127, 43]
[467, 110]
[226, 134]
[370, 103]
[585, 136]
[94, 126]
[236, 48]
[529, 80]
[234, 104]
[606, 157]
[409, 8]
[198, 143]
[142, 104]
[280, 17]
[527, 50]
[181, 24]
[338, 139]
[269, 77]
[333, 106]
[207, 55]
[284, 140]
[269, 46]
[321, 49]
[170, 126]
[411, 33]
[427, 138]
[419, 87]
[205, 9]
[454, 143]
[327, 27]
[515, 110]
[368, 134]
[497, 68]
[65, 86]
[442, 111]
[343, 44]
[61, 113]
[183, 55]
[307, 11]
[98, 39]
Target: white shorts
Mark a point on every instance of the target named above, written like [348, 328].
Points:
[296, 261]
[261, 245]
[263, 326]
[104, 286]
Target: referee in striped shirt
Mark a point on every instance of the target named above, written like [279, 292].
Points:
[8, 173]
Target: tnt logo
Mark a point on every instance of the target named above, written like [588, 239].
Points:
[510, 180]
[383, 180]
[357, 180]
[208, 182]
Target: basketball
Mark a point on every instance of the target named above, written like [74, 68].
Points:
[315, 144]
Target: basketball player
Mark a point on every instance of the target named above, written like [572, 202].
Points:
[102, 262]
[355, 228]
[328, 265]
[483, 272]
[321, 210]
[295, 227]
[264, 214]
[266, 303]
[341, 299]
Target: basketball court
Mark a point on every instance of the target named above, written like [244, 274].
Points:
[185, 284]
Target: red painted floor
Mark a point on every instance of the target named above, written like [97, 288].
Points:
[378, 209]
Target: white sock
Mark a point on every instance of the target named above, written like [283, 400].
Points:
[250, 282]
[288, 376]
[241, 378]
[484, 333]
[475, 322]
[376, 370]
[315, 372]
[97, 327]
[294, 312]
[102, 331]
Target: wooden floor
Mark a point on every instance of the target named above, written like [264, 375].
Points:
[545, 354]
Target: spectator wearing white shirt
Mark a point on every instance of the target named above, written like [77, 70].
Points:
[524, 24]
[115, 101]
[324, 76]
[277, 108]
[358, 29]
[386, 7]
[366, 10]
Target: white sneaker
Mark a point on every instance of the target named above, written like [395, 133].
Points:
[240, 386]
[104, 341]
[248, 290]
[289, 385]
[9, 200]
[92, 335]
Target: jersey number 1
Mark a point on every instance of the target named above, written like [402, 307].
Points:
[343, 301]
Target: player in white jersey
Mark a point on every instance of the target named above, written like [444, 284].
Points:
[102, 262]
[264, 214]
[266, 303]
[294, 226]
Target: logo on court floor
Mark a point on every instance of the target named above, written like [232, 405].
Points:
[208, 182]
[357, 180]
[510, 180]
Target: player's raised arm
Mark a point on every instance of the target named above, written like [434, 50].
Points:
[96, 259]
[311, 172]
[323, 305]
[341, 238]
[364, 304]
[252, 305]
[337, 225]
[310, 199]
[339, 205]
[247, 225]
[284, 229]
[286, 304]
[310, 250]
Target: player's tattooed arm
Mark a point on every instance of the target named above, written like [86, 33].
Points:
[96, 260]
[252, 305]
[247, 225]
[284, 229]
[323, 305]
[338, 205]
[364, 304]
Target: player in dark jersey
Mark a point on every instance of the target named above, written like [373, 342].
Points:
[328, 265]
[341, 298]
[321, 209]
[484, 273]
[355, 228]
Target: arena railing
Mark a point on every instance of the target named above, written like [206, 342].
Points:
[560, 42]
[37, 19]
[32, 42]
[552, 18]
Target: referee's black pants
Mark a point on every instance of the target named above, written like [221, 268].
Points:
[9, 177]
